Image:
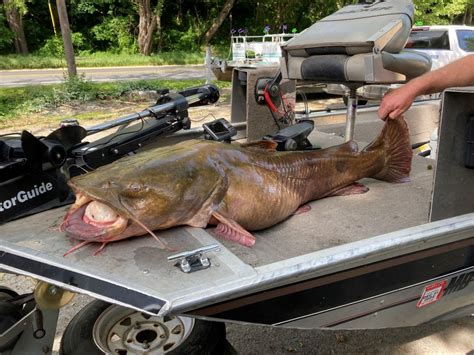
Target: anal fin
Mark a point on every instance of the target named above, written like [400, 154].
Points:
[230, 230]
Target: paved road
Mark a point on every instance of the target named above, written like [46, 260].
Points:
[13, 78]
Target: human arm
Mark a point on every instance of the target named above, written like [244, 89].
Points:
[457, 73]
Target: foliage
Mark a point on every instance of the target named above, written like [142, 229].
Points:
[6, 36]
[100, 59]
[17, 102]
[74, 88]
[37, 98]
[112, 25]
[439, 12]
[181, 41]
[54, 45]
[116, 33]
[20, 5]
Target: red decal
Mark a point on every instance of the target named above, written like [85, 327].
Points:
[431, 293]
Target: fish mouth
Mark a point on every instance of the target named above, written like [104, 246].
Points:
[94, 221]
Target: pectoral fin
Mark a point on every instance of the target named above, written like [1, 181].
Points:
[201, 218]
[353, 189]
[230, 230]
[302, 209]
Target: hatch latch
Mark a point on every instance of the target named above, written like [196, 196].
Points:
[193, 260]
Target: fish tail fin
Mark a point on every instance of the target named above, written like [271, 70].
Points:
[394, 141]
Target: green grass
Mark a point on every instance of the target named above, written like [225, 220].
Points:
[101, 59]
[18, 102]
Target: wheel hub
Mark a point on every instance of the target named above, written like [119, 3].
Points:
[120, 330]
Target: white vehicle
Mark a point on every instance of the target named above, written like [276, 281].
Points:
[444, 44]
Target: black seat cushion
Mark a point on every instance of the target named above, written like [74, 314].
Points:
[325, 68]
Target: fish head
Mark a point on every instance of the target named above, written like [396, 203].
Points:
[135, 196]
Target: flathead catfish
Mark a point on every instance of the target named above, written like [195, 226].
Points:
[239, 188]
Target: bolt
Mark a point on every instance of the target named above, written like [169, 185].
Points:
[145, 345]
[53, 290]
[39, 333]
[137, 325]
[205, 262]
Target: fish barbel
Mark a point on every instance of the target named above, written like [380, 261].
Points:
[238, 188]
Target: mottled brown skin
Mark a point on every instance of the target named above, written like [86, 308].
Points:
[193, 182]
[265, 188]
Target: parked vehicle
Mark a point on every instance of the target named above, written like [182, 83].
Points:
[443, 44]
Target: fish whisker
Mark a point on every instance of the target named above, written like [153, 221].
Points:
[162, 243]
[77, 246]
[133, 218]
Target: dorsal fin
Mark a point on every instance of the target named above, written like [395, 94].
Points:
[261, 144]
[347, 147]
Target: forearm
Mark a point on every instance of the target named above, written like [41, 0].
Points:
[458, 73]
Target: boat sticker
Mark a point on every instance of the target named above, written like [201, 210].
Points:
[431, 293]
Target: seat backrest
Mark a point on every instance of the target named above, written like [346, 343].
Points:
[352, 30]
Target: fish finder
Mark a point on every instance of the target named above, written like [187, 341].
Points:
[219, 130]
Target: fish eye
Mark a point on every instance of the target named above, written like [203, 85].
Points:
[135, 187]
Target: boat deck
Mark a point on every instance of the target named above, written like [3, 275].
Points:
[136, 273]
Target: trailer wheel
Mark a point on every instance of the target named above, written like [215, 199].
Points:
[9, 314]
[103, 328]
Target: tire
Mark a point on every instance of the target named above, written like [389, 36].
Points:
[9, 315]
[359, 102]
[204, 337]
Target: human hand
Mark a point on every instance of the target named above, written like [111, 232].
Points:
[395, 102]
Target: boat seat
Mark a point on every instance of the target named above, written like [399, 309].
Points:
[358, 45]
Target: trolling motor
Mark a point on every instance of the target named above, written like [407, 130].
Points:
[30, 176]
[34, 170]
[168, 115]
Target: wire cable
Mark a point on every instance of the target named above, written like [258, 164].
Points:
[110, 140]
[202, 118]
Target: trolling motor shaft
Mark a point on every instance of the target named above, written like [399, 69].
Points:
[168, 103]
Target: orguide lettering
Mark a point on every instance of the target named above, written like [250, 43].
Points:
[22, 196]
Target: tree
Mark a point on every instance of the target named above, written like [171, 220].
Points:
[66, 33]
[466, 17]
[218, 21]
[439, 12]
[149, 23]
[14, 10]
